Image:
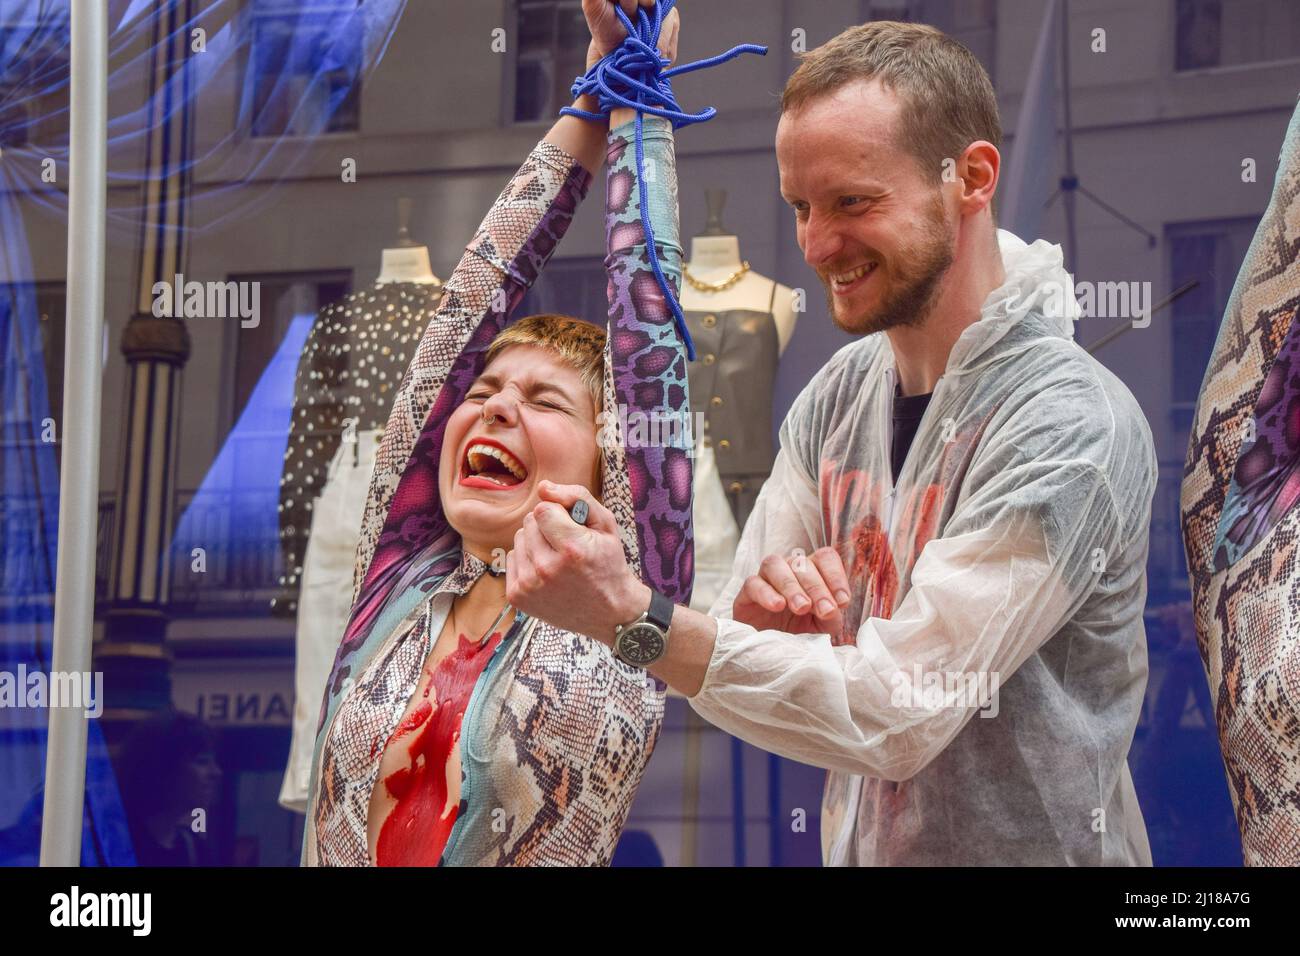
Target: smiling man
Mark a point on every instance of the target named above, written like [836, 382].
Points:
[959, 508]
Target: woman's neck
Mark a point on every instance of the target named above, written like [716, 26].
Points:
[488, 590]
[478, 607]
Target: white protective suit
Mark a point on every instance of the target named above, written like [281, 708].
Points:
[1011, 556]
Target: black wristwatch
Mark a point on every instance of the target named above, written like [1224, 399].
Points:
[645, 640]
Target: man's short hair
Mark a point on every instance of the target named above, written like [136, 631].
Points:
[946, 96]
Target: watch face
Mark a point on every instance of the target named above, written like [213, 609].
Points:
[641, 644]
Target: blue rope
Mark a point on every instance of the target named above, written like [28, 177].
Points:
[633, 75]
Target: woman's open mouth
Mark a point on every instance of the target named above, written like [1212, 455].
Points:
[490, 466]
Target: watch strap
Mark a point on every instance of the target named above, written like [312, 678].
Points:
[661, 610]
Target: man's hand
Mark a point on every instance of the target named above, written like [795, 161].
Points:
[802, 594]
[573, 576]
[607, 32]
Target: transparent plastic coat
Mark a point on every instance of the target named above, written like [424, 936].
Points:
[980, 704]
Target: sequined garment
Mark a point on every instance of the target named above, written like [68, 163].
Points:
[1241, 528]
[351, 363]
[558, 731]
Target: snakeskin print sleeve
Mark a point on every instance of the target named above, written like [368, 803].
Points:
[403, 515]
[647, 474]
[1241, 527]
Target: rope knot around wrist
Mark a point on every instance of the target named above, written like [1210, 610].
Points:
[636, 76]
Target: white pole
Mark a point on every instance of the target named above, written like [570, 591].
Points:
[1071, 229]
[74, 592]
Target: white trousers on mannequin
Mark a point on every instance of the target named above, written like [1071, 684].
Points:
[325, 599]
[716, 534]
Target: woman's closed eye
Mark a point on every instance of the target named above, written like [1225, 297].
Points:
[483, 396]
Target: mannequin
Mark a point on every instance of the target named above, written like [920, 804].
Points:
[715, 258]
[741, 322]
[352, 362]
[406, 260]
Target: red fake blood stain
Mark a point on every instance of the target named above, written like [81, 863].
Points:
[873, 567]
[416, 829]
[929, 520]
[851, 505]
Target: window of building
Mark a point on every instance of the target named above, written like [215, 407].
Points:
[1210, 33]
[51, 302]
[296, 92]
[52, 306]
[971, 22]
[34, 389]
[575, 287]
[550, 44]
[283, 296]
[232, 512]
[34, 92]
[1209, 254]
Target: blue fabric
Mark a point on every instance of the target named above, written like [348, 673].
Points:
[243, 483]
[288, 57]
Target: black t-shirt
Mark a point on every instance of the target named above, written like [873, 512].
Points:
[908, 410]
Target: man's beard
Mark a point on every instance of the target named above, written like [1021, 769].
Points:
[914, 281]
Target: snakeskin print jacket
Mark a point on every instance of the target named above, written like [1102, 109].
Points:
[557, 732]
[1241, 527]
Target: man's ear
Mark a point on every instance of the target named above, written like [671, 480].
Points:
[978, 170]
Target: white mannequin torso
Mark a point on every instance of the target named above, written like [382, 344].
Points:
[407, 264]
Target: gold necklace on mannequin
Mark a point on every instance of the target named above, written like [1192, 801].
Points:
[722, 286]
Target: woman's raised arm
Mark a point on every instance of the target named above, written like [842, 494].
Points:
[646, 439]
[583, 139]
[403, 516]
